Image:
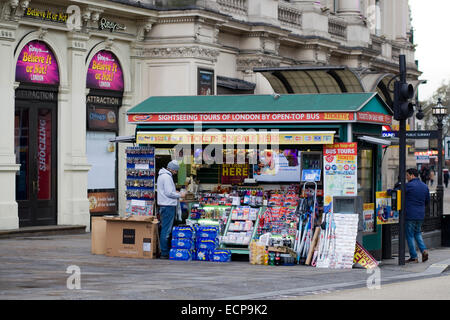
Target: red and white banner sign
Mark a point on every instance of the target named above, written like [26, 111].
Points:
[374, 117]
[341, 149]
[241, 117]
[44, 155]
[272, 117]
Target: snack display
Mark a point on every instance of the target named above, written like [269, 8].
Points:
[140, 182]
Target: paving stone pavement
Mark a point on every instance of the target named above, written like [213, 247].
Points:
[36, 268]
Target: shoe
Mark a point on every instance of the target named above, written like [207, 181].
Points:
[425, 256]
[164, 257]
[412, 260]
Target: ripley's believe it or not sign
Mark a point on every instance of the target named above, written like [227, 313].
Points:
[37, 64]
[105, 72]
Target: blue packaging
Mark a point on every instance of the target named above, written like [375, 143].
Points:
[196, 215]
[180, 254]
[202, 255]
[210, 232]
[220, 256]
[183, 232]
[207, 244]
[182, 243]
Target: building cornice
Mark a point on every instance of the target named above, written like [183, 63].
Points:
[187, 51]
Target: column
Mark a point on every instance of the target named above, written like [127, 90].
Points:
[388, 21]
[401, 19]
[349, 7]
[358, 34]
[73, 206]
[372, 16]
[9, 217]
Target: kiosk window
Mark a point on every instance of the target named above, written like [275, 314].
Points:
[365, 175]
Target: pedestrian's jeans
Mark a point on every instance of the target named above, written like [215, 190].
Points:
[413, 232]
[167, 214]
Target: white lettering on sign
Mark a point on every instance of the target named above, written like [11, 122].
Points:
[109, 25]
[42, 153]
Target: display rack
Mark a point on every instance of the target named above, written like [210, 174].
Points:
[210, 215]
[140, 182]
[241, 228]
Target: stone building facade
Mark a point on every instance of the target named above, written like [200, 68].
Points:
[52, 118]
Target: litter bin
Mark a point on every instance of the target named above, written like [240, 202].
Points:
[445, 231]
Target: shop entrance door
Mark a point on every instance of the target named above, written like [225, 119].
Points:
[35, 146]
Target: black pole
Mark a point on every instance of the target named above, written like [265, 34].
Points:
[386, 246]
[402, 179]
[402, 172]
[440, 187]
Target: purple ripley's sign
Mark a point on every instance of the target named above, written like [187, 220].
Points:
[105, 72]
[37, 64]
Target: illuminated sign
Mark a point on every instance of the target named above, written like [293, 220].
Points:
[37, 64]
[105, 72]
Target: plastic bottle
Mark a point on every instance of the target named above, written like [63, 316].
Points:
[277, 259]
[247, 197]
[266, 258]
[259, 198]
[271, 259]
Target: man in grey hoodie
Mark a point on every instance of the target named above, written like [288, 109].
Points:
[167, 202]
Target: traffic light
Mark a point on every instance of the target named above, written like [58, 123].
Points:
[403, 93]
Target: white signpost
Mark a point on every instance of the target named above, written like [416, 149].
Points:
[447, 148]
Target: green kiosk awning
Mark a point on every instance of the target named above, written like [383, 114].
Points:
[260, 110]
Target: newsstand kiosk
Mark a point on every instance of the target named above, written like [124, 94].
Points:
[267, 167]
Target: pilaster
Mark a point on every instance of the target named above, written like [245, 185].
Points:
[74, 204]
[9, 218]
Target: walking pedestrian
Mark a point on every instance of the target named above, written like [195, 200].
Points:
[446, 176]
[424, 174]
[431, 177]
[167, 197]
[416, 199]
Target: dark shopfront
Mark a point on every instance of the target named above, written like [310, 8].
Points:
[304, 123]
[35, 140]
[36, 106]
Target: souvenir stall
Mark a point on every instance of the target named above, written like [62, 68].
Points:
[271, 177]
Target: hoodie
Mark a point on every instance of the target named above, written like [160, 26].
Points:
[166, 191]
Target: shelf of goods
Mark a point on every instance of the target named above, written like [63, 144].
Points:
[209, 215]
[140, 182]
[241, 228]
[280, 218]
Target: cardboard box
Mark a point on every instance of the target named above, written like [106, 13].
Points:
[132, 237]
[98, 235]
[282, 250]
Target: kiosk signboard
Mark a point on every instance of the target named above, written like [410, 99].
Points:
[340, 172]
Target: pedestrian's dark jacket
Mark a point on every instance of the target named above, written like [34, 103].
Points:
[417, 198]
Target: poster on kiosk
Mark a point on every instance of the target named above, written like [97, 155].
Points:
[340, 172]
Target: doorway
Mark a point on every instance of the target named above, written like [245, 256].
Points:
[35, 147]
